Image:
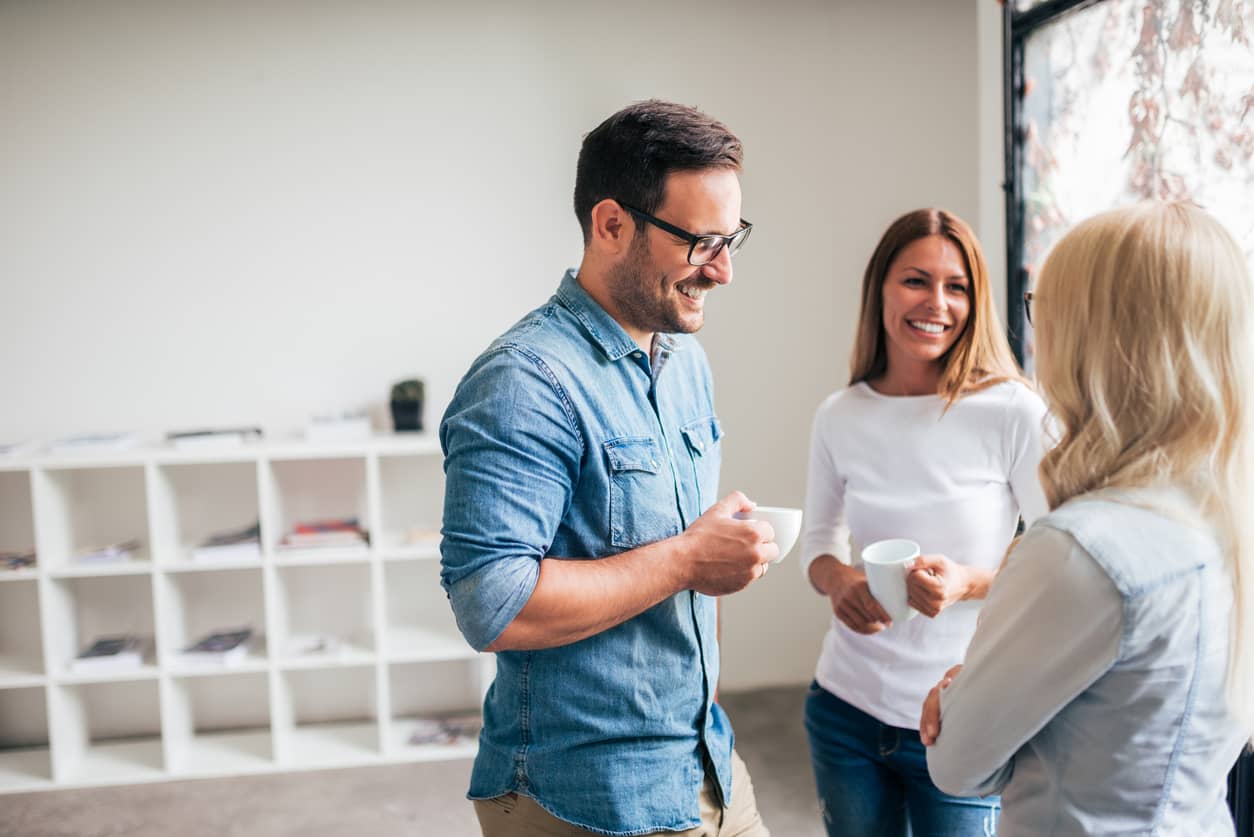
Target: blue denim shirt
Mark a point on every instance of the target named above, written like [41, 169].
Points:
[564, 439]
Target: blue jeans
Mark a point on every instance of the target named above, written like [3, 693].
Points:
[873, 782]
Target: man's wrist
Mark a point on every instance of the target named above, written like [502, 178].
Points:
[678, 562]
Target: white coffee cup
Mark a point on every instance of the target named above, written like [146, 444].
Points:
[887, 563]
[785, 521]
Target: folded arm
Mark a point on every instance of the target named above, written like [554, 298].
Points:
[513, 454]
[1050, 628]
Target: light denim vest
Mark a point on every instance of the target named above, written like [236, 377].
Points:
[1146, 748]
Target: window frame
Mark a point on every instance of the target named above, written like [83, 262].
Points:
[1017, 27]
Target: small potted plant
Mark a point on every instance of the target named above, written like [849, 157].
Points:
[407, 405]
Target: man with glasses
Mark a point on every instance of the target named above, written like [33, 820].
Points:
[583, 541]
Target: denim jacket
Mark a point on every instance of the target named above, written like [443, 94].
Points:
[564, 439]
[1093, 691]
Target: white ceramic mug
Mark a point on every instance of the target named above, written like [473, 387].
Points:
[887, 563]
[785, 521]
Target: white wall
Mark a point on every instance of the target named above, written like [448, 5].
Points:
[222, 213]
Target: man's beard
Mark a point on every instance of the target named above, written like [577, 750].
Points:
[640, 296]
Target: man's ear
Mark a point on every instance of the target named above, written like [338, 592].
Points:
[612, 228]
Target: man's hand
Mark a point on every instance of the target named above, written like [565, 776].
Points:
[725, 555]
[851, 598]
[935, 582]
[930, 722]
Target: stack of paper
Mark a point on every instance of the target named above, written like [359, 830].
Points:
[110, 653]
[239, 544]
[222, 648]
[95, 442]
[352, 426]
[109, 553]
[319, 534]
[8, 449]
[213, 438]
[452, 729]
[20, 560]
[305, 645]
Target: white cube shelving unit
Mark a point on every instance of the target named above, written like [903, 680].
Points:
[398, 657]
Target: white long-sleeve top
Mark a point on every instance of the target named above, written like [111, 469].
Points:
[956, 481]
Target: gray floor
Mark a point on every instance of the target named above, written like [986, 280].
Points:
[415, 800]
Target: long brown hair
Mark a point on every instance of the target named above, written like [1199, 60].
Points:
[980, 356]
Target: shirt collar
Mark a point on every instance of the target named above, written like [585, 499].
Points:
[601, 327]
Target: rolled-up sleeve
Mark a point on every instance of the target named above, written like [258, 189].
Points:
[1050, 627]
[511, 461]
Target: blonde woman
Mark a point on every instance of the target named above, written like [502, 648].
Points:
[1108, 687]
[936, 439]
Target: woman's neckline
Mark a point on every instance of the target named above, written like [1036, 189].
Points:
[871, 389]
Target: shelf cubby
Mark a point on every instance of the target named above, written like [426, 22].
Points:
[25, 763]
[196, 604]
[110, 732]
[17, 527]
[192, 501]
[420, 623]
[411, 497]
[78, 510]
[218, 725]
[327, 717]
[81, 610]
[301, 617]
[21, 648]
[303, 490]
[422, 692]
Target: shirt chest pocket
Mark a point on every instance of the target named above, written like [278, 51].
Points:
[701, 438]
[643, 508]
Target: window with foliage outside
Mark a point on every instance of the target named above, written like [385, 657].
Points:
[1123, 100]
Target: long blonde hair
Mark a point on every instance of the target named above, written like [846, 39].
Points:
[1145, 359]
[980, 357]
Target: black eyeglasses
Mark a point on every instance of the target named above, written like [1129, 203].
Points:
[702, 249]
[1027, 305]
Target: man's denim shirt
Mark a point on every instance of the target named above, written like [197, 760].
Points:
[565, 440]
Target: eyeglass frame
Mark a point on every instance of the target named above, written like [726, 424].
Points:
[1028, 298]
[692, 238]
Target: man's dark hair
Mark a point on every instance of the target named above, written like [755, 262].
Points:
[628, 156]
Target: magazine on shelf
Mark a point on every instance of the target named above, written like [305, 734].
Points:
[452, 729]
[8, 449]
[352, 426]
[95, 442]
[322, 645]
[422, 535]
[236, 544]
[22, 559]
[224, 648]
[120, 652]
[109, 553]
[319, 534]
[213, 438]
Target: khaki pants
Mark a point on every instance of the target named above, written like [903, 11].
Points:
[512, 815]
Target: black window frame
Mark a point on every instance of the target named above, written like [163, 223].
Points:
[1016, 28]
